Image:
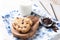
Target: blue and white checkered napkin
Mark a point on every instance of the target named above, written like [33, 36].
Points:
[41, 34]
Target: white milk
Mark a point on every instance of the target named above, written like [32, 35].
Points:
[25, 7]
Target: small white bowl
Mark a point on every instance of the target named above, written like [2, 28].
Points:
[45, 24]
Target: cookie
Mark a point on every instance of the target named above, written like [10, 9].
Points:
[33, 28]
[22, 25]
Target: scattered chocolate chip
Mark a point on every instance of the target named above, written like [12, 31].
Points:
[55, 28]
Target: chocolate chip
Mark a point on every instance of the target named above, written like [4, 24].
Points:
[23, 21]
[18, 26]
[55, 28]
[24, 26]
[26, 23]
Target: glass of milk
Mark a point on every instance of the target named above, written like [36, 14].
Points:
[25, 7]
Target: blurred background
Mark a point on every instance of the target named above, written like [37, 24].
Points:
[8, 5]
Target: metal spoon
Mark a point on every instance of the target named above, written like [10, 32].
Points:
[53, 11]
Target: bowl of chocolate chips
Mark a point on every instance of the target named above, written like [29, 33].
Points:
[48, 23]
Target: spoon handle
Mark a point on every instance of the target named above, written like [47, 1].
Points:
[44, 7]
[53, 11]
